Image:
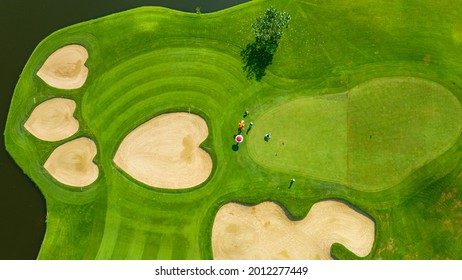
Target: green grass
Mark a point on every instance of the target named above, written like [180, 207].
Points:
[308, 136]
[369, 138]
[396, 126]
[149, 61]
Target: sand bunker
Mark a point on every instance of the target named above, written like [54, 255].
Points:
[264, 232]
[53, 120]
[65, 69]
[164, 152]
[71, 163]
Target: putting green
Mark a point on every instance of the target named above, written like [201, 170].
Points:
[308, 136]
[396, 126]
[369, 139]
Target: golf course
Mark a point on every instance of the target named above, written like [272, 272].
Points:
[149, 139]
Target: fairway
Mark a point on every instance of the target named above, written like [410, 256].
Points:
[127, 124]
[370, 138]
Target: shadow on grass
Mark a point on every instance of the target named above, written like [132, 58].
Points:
[256, 57]
[235, 147]
[290, 185]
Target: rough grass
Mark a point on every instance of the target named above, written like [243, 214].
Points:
[150, 61]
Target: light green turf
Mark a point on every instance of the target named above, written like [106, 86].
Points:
[308, 136]
[150, 61]
[369, 139]
[396, 126]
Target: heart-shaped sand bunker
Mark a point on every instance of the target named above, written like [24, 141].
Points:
[265, 232]
[65, 69]
[72, 163]
[53, 120]
[164, 152]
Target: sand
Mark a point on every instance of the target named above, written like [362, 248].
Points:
[264, 232]
[72, 163]
[65, 69]
[53, 120]
[164, 152]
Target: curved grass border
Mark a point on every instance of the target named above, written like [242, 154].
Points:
[206, 145]
[89, 223]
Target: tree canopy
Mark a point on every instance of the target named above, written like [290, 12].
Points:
[269, 27]
[268, 30]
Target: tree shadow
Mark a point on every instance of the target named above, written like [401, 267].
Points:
[256, 57]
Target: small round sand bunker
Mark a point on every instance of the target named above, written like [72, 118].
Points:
[72, 163]
[264, 232]
[65, 69]
[53, 120]
[164, 152]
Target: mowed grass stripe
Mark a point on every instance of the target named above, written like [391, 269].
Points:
[155, 218]
[151, 246]
[162, 77]
[201, 62]
[111, 232]
[154, 80]
[125, 238]
[152, 92]
[123, 124]
[165, 251]
[137, 246]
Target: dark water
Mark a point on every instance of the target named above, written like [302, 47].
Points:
[23, 24]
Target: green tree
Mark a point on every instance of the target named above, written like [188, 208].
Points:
[270, 27]
[268, 31]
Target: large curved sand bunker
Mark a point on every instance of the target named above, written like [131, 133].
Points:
[72, 163]
[53, 120]
[264, 232]
[65, 69]
[164, 152]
